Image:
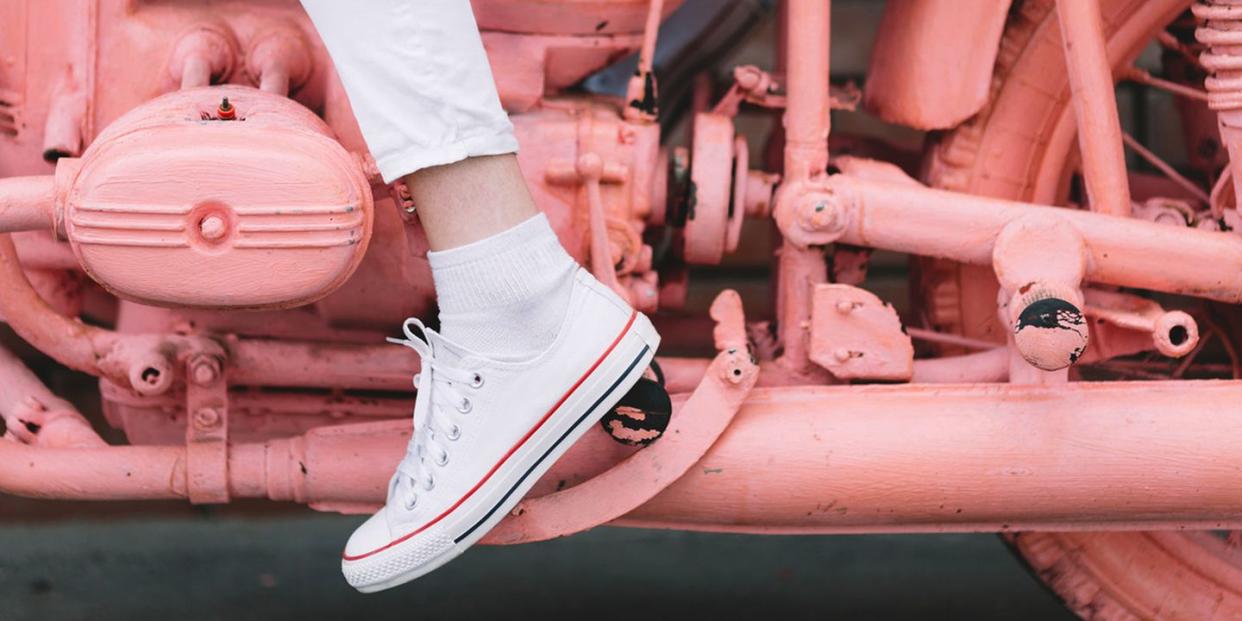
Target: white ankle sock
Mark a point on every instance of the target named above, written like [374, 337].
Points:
[506, 294]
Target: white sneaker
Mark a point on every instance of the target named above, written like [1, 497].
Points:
[487, 429]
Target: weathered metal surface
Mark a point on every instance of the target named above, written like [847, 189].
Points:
[141, 176]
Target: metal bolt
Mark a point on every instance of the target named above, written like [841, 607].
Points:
[225, 111]
[841, 354]
[845, 307]
[204, 369]
[206, 418]
[820, 213]
[212, 227]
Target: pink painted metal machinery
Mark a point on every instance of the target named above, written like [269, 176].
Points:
[188, 213]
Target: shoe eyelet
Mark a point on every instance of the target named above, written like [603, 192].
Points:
[442, 458]
[476, 381]
[465, 406]
[453, 433]
[431, 483]
[411, 501]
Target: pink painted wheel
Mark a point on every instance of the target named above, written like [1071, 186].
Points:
[1022, 146]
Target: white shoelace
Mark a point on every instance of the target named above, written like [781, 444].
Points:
[440, 400]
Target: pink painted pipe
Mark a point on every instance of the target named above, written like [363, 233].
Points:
[70, 342]
[807, 101]
[34, 415]
[807, 30]
[857, 459]
[26, 203]
[909, 218]
[1095, 106]
[1098, 456]
[989, 366]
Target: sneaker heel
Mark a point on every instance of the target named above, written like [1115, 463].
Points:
[642, 415]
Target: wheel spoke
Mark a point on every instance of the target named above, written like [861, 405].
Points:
[1164, 167]
[1134, 74]
[1172, 43]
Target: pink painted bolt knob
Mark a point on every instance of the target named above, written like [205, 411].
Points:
[206, 418]
[212, 227]
[204, 370]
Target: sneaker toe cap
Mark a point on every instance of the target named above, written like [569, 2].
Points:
[370, 537]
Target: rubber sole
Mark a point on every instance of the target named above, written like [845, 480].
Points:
[590, 400]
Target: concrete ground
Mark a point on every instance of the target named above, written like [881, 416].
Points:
[233, 568]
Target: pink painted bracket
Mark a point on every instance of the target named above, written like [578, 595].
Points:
[697, 423]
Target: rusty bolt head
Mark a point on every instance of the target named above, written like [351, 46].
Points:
[206, 418]
[204, 369]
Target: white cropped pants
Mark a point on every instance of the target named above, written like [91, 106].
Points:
[417, 78]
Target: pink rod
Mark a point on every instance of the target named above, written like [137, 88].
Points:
[27, 203]
[985, 366]
[1127, 252]
[807, 102]
[196, 72]
[1095, 106]
[932, 336]
[651, 29]
[683, 375]
[41, 251]
[643, 78]
[807, 27]
[261, 362]
[275, 80]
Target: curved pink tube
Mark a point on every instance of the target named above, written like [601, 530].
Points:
[35, 415]
[70, 342]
